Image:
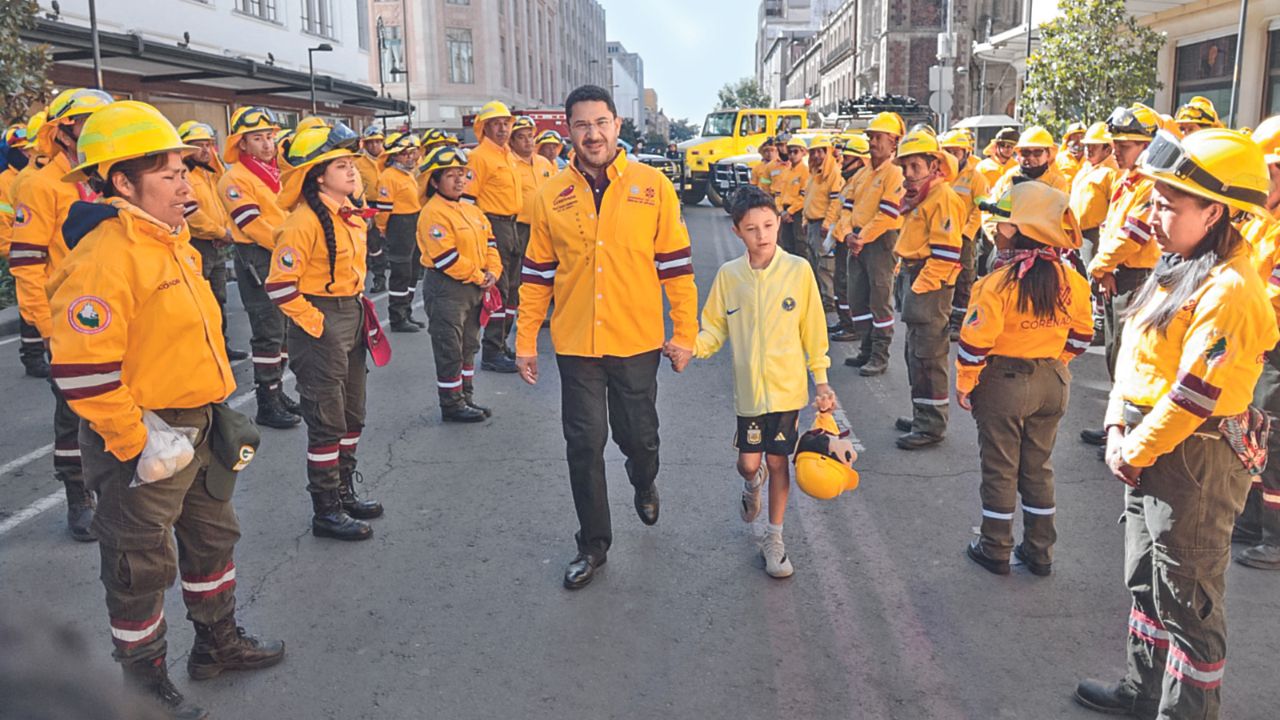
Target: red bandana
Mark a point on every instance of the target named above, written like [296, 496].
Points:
[267, 173]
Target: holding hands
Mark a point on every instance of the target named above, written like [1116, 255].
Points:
[678, 356]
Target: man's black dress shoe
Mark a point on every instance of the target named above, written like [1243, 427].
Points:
[579, 573]
[647, 505]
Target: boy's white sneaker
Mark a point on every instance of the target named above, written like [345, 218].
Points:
[776, 562]
[751, 494]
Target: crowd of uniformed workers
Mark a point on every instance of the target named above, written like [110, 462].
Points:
[1157, 234]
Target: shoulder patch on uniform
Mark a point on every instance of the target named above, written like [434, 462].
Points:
[437, 231]
[288, 259]
[1217, 352]
[383, 192]
[975, 318]
[21, 215]
[233, 192]
[89, 314]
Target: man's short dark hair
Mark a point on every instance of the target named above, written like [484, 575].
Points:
[589, 93]
[748, 198]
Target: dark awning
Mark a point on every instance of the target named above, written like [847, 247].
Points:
[161, 63]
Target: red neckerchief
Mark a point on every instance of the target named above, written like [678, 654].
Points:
[1024, 259]
[86, 193]
[911, 199]
[267, 173]
[1129, 181]
[346, 213]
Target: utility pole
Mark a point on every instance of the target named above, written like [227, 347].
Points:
[93, 38]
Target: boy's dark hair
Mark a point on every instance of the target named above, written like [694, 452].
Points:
[589, 93]
[748, 198]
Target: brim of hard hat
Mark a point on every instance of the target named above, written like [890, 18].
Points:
[80, 173]
[291, 179]
[1133, 136]
[851, 477]
[550, 141]
[1194, 189]
[950, 165]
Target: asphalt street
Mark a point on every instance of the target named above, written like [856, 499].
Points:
[455, 608]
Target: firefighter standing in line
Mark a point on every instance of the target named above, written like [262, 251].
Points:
[1028, 318]
[1191, 354]
[1197, 114]
[121, 344]
[870, 230]
[1035, 160]
[1125, 254]
[372, 141]
[1091, 189]
[398, 205]
[1258, 527]
[1070, 157]
[853, 160]
[999, 156]
[22, 161]
[248, 193]
[930, 246]
[207, 219]
[969, 185]
[463, 263]
[317, 279]
[38, 249]
[535, 171]
[788, 186]
[761, 174]
[822, 190]
[549, 146]
[496, 190]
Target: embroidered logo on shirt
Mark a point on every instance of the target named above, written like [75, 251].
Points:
[437, 232]
[21, 215]
[730, 312]
[975, 318]
[287, 259]
[233, 192]
[789, 304]
[89, 314]
[1217, 352]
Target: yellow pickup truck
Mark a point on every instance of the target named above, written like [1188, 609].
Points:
[727, 134]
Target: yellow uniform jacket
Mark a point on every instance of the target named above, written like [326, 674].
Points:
[455, 238]
[774, 321]
[1125, 239]
[788, 187]
[1091, 193]
[495, 180]
[763, 173]
[1263, 236]
[300, 261]
[206, 216]
[992, 169]
[971, 185]
[252, 206]
[822, 190]
[398, 194]
[369, 169]
[534, 173]
[877, 203]
[931, 232]
[844, 198]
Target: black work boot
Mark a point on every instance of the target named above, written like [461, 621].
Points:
[1263, 556]
[290, 405]
[80, 505]
[468, 397]
[460, 412]
[331, 521]
[234, 354]
[351, 502]
[857, 361]
[404, 326]
[150, 678]
[953, 327]
[37, 366]
[225, 646]
[903, 424]
[1115, 699]
[379, 284]
[499, 364]
[271, 413]
[416, 321]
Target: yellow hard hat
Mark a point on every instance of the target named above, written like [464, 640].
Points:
[820, 142]
[491, 110]
[15, 136]
[308, 148]
[1198, 111]
[1267, 135]
[1075, 128]
[824, 460]
[798, 142]
[524, 122]
[66, 107]
[857, 145]
[34, 123]
[452, 139]
[1040, 211]
[398, 142]
[1097, 134]
[433, 136]
[373, 132]
[195, 130]
[309, 122]
[1035, 137]
[956, 139]
[1221, 165]
[550, 137]
[888, 122]
[440, 159]
[121, 131]
[1138, 122]
[922, 141]
[245, 120]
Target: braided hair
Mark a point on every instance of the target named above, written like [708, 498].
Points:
[311, 193]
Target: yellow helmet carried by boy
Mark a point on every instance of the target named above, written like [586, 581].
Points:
[123, 130]
[824, 460]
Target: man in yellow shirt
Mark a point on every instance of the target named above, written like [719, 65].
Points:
[999, 156]
[761, 174]
[821, 191]
[1071, 155]
[371, 146]
[534, 171]
[788, 187]
[496, 189]
[969, 186]
[607, 281]
[854, 156]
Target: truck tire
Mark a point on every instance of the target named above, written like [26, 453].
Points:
[694, 196]
[714, 196]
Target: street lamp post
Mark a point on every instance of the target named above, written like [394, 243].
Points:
[311, 68]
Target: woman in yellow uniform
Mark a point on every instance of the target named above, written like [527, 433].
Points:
[1180, 432]
[398, 204]
[137, 344]
[317, 274]
[1026, 320]
[463, 263]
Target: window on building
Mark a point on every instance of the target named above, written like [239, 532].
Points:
[457, 2]
[263, 9]
[1272, 100]
[1205, 69]
[460, 60]
[317, 17]
[506, 73]
[391, 53]
[362, 23]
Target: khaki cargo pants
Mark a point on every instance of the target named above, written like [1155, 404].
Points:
[927, 316]
[870, 278]
[823, 265]
[136, 528]
[511, 250]
[266, 322]
[1261, 514]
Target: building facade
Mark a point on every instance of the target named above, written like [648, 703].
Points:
[784, 31]
[626, 82]
[656, 121]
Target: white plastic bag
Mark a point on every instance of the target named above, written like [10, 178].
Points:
[829, 244]
[167, 452]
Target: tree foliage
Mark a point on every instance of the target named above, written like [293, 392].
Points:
[628, 131]
[682, 129]
[745, 93]
[23, 66]
[1092, 58]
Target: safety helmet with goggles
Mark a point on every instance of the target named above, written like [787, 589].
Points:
[523, 122]
[443, 158]
[15, 136]
[192, 130]
[1197, 111]
[310, 145]
[550, 137]
[373, 132]
[1199, 163]
[245, 120]
[1133, 123]
[76, 102]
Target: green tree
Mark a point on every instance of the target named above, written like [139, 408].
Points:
[1092, 58]
[745, 93]
[682, 129]
[628, 131]
[23, 66]
[655, 142]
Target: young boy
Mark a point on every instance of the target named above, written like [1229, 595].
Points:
[766, 303]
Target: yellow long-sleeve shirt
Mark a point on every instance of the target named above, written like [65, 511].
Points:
[40, 208]
[252, 206]
[971, 185]
[992, 169]
[7, 177]
[607, 268]
[844, 198]
[774, 321]
[1068, 165]
[1263, 236]
[822, 190]
[994, 325]
[1091, 193]
[763, 173]
[1125, 238]
[534, 173]
[135, 325]
[455, 238]
[1205, 364]
[399, 193]
[369, 169]
[206, 216]
[7, 217]
[300, 261]
[788, 187]
[931, 232]
[877, 203]
[495, 179]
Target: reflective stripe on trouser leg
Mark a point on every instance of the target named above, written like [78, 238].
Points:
[818, 261]
[507, 238]
[375, 256]
[401, 244]
[840, 283]
[453, 322]
[266, 322]
[66, 447]
[927, 316]
[330, 374]
[871, 293]
[964, 282]
[30, 344]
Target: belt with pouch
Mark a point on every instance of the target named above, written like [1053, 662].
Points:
[504, 218]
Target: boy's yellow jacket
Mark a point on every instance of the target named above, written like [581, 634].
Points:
[1205, 364]
[774, 320]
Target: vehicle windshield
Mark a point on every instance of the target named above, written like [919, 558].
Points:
[719, 124]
